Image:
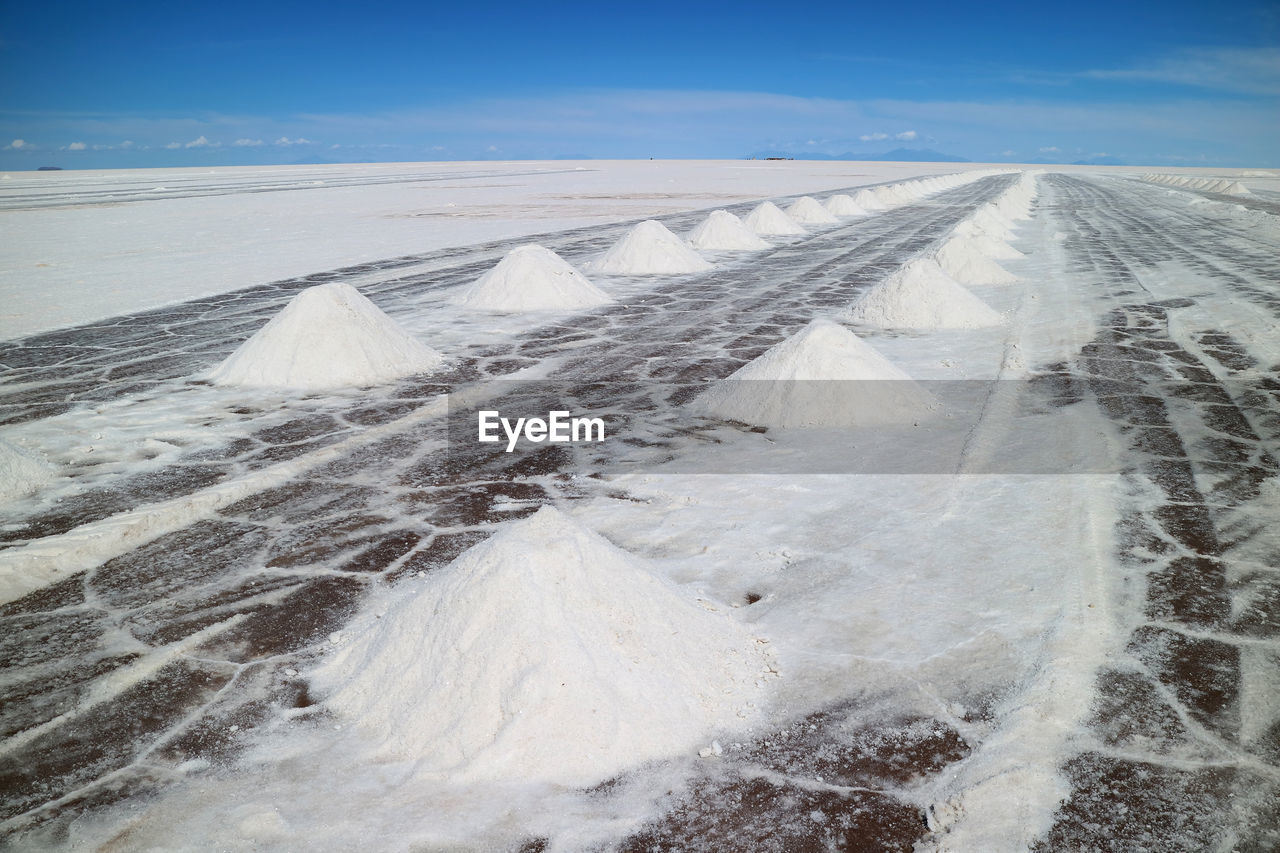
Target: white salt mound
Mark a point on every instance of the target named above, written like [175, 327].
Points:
[807, 210]
[328, 336]
[822, 376]
[769, 220]
[21, 472]
[844, 205]
[542, 654]
[964, 262]
[868, 200]
[921, 296]
[721, 231]
[531, 278]
[649, 248]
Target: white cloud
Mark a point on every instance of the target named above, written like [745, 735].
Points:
[1008, 153]
[128, 143]
[200, 142]
[1253, 71]
[492, 148]
[284, 140]
[17, 145]
[906, 136]
[873, 137]
[1050, 149]
[247, 143]
[173, 145]
[77, 146]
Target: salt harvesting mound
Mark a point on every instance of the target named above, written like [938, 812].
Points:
[721, 231]
[531, 278]
[806, 209]
[844, 205]
[328, 336]
[964, 262]
[868, 200]
[983, 242]
[21, 472]
[649, 248]
[921, 296]
[769, 220]
[545, 653]
[822, 376]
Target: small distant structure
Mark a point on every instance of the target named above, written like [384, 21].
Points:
[49, 169]
[779, 158]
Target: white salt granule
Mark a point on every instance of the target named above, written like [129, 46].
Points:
[542, 654]
[21, 472]
[328, 336]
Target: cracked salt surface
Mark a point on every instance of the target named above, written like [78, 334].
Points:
[984, 661]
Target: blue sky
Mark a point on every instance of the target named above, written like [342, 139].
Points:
[93, 85]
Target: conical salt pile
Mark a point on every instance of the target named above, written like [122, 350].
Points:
[807, 210]
[649, 248]
[992, 247]
[966, 264]
[769, 220]
[921, 296]
[721, 231]
[542, 654]
[844, 205]
[868, 200]
[1236, 188]
[21, 472]
[328, 336]
[531, 278]
[823, 376]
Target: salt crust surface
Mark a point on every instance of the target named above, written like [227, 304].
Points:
[921, 295]
[328, 336]
[649, 248]
[543, 654]
[21, 472]
[531, 278]
[822, 376]
[722, 231]
[808, 210]
[770, 220]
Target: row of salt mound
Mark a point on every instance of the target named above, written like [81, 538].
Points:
[807, 210]
[868, 200]
[1222, 185]
[843, 205]
[823, 376]
[544, 653]
[649, 248]
[328, 336]
[963, 260]
[721, 231]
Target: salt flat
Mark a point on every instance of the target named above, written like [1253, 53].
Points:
[1045, 619]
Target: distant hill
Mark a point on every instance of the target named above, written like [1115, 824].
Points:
[901, 155]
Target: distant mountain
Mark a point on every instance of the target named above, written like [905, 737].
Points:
[901, 155]
[1100, 161]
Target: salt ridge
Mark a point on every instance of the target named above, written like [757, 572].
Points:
[21, 472]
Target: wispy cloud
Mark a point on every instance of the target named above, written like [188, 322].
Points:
[1252, 71]
[284, 140]
[19, 145]
[247, 143]
[77, 146]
